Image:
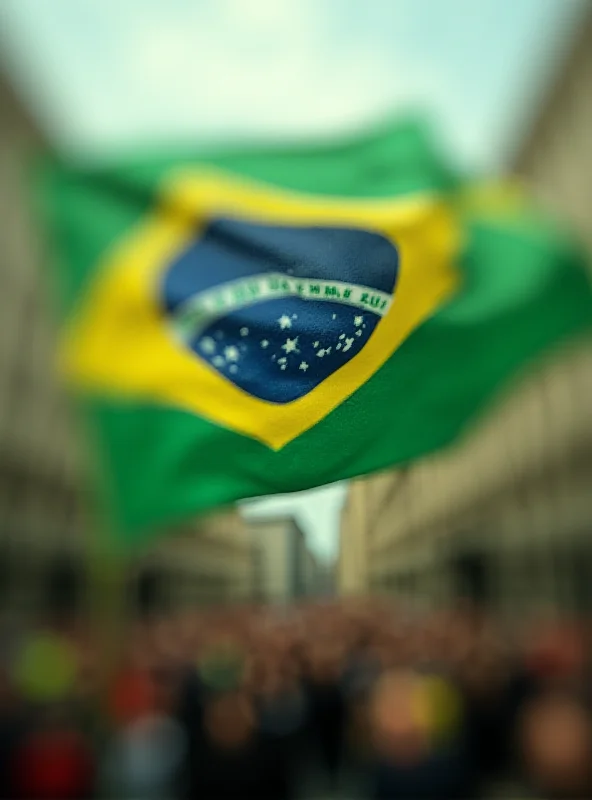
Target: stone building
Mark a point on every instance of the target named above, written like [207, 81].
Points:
[554, 157]
[286, 568]
[207, 562]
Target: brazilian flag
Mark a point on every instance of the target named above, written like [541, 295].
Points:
[268, 321]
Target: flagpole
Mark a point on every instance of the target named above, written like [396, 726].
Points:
[108, 615]
[108, 562]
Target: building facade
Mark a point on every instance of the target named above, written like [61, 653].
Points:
[286, 569]
[554, 156]
[208, 562]
[504, 515]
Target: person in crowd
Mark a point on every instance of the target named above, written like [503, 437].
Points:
[419, 744]
[54, 759]
[556, 746]
[144, 758]
[327, 706]
[362, 699]
[11, 733]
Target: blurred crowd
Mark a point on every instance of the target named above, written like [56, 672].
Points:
[361, 699]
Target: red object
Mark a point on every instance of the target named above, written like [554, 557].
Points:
[54, 766]
[558, 653]
[133, 696]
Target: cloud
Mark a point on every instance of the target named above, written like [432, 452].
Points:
[239, 72]
[135, 74]
[251, 66]
[140, 72]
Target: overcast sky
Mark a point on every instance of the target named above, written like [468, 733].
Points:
[103, 75]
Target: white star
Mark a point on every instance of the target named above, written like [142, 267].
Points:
[359, 333]
[328, 350]
[282, 360]
[358, 321]
[233, 368]
[321, 353]
[348, 344]
[338, 346]
[285, 322]
[342, 336]
[264, 344]
[303, 366]
[283, 366]
[315, 345]
[218, 361]
[244, 331]
[290, 345]
[334, 316]
[231, 353]
[208, 345]
[294, 316]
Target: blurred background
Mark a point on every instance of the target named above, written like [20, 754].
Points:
[320, 623]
